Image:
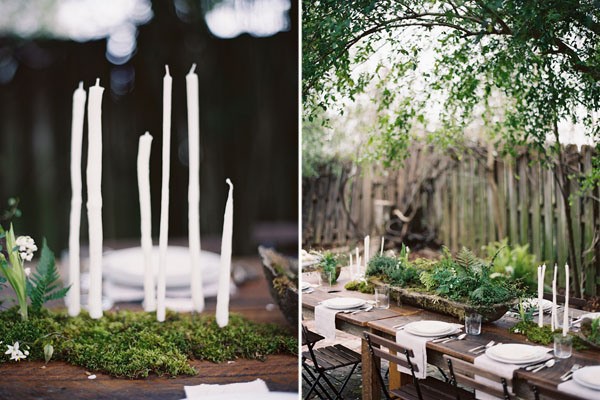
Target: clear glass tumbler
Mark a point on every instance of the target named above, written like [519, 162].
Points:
[473, 324]
[382, 296]
[563, 345]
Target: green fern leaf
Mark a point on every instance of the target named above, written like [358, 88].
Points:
[44, 284]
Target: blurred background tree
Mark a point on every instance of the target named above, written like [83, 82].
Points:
[246, 52]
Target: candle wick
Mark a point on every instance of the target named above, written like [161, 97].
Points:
[192, 70]
[167, 69]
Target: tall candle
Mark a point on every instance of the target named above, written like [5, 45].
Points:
[566, 313]
[143, 175]
[351, 268]
[381, 252]
[367, 245]
[94, 202]
[194, 188]
[73, 296]
[357, 263]
[541, 275]
[164, 198]
[225, 272]
[554, 322]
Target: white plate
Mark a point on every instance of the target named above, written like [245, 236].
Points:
[126, 266]
[514, 353]
[305, 285]
[588, 377]
[533, 303]
[593, 315]
[343, 303]
[429, 328]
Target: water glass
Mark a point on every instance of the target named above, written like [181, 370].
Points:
[382, 296]
[473, 324]
[563, 346]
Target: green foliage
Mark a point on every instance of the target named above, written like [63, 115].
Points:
[12, 210]
[543, 335]
[396, 271]
[362, 286]
[134, 345]
[590, 328]
[329, 264]
[13, 271]
[44, 284]
[514, 261]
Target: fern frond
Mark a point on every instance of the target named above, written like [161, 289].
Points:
[44, 284]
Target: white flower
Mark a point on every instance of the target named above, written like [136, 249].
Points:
[26, 247]
[27, 271]
[509, 270]
[15, 353]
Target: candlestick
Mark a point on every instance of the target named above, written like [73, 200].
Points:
[194, 188]
[566, 314]
[143, 174]
[381, 252]
[225, 273]
[73, 296]
[554, 323]
[94, 203]
[164, 198]
[541, 275]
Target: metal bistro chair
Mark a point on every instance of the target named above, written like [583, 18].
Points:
[317, 362]
[464, 372]
[543, 392]
[425, 389]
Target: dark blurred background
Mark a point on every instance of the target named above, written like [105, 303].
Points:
[247, 63]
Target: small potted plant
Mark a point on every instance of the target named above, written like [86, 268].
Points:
[331, 266]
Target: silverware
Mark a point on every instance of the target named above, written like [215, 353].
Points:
[487, 346]
[444, 338]
[490, 344]
[367, 309]
[462, 336]
[569, 374]
[548, 364]
[534, 365]
[399, 326]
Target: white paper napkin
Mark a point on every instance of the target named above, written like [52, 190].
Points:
[573, 388]
[418, 344]
[325, 321]
[502, 369]
[254, 390]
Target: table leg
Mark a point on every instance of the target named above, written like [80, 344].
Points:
[370, 381]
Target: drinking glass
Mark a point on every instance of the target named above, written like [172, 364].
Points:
[382, 296]
[473, 324]
[563, 346]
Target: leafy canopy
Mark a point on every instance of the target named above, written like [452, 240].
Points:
[541, 57]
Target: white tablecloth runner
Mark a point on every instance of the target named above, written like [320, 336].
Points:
[325, 321]
[418, 344]
[576, 389]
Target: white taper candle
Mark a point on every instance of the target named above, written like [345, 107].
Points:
[194, 188]
[381, 251]
[225, 272]
[554, 323]
[541, 275]
[94, 201]
[351, 267]
[164, 199]
[143, 175]
[566, 313]
[367, 250]
[73, 296]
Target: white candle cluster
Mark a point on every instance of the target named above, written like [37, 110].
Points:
[154, 291]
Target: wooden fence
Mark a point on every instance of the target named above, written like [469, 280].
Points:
[468, 200]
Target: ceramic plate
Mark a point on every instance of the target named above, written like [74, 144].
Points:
[305, 285]
[126, 266]
[429, 328]
[588, 377]
[593, 315]
[343, 303]
[533, 303]
[514, 353]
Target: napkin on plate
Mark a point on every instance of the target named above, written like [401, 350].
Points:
[418, 344]
[254, 390]
[504, 370]
[573, 388]
[325, 321]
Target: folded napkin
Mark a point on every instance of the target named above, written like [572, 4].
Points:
[325, 321]
[573, 388]
[502, 369]
[418, 344]
[254, 390]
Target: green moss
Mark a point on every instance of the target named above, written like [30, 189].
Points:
[360, 286]
[134, 345]
[543, 335]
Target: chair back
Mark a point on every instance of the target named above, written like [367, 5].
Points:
[465, 372]
[544, 392]
[310, 344]
[402, 357]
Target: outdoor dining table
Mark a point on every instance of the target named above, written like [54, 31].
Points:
[385, 321]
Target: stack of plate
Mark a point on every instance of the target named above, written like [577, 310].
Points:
[344, 303]
[588, 377]
[532, 304]
[123, 272]
[430, 328]
[513, 353]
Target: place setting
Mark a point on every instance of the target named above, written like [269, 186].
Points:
[326, 311]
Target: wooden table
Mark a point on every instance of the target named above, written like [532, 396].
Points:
[58, 380]
[383, 322]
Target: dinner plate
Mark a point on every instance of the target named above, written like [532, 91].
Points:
[126, 266]
[429, 328]
[514, 353]
[533, 303]
[592, 315]
[305, 285]
[343, 303]
[588, 377]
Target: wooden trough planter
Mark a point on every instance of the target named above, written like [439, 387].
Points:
[446, 306]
